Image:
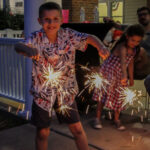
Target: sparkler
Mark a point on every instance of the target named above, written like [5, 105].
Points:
[9, 109]
[27, 115]
[94, 80]
[55, 78]
[87, 109]
[52, 78]
[128, 96]
[64, 109]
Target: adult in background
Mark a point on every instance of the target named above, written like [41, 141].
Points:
[142, 64]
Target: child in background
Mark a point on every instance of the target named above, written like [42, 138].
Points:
[113, 34]
[55, 46]
[114, 69]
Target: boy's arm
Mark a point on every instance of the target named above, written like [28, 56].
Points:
[130, 71]
[94, 41]
[123, 65]
[26, 50]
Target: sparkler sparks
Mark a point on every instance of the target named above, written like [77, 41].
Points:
[52, 77]
[55, 78]
[128, 96]
[96, 80]
[64, 110]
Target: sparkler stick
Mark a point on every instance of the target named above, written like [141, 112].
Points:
[87, 109]
[18, 109]
[138, 109]
[23, 107]
[109, 113]
[27, 115]
[132, 112]
[142, 119]
[9, 109]
[145, 113]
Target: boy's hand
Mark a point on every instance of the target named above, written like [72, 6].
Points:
[104, 53]
[35, 57]
[27, 50]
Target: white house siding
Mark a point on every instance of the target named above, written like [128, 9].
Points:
[16, 9]
[130, 8]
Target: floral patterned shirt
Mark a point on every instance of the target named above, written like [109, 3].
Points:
[60, 57]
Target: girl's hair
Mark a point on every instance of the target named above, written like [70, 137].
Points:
[131, 31]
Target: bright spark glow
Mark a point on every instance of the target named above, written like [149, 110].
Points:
[55, 78]
[96, 80]
[128, 96]
[64, 94]
[52, 77]
[63, 109]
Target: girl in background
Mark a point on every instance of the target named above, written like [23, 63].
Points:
[114, 69]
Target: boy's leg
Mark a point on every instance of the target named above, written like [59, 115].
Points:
[72, 119]
[40, 118]
[79, 135]
[42, 138]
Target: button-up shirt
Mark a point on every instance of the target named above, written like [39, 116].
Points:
[58, 57]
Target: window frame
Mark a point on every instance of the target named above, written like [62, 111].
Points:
[109, 8]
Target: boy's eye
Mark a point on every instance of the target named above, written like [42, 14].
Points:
[46, 19]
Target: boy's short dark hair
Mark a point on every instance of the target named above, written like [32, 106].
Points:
[49, 6]
[142, 9]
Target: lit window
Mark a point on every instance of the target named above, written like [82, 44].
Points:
[19, 4]
[112, 9]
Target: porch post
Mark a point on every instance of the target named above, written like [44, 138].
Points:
[30, 25]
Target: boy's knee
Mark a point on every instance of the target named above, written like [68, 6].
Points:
[77, 130]
[43, 133]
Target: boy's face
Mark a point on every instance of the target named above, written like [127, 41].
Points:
[51, 21]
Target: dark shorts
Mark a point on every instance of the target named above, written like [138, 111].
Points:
[40, 118]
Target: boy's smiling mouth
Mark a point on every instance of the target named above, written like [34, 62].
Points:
[51, 28]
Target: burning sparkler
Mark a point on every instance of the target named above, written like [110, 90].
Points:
[128, 96]
[55, 78]
[64, 110]
[94, 80]
[52, 77]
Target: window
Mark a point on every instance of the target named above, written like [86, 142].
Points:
[112, 9]
[19, 4]
[103, 12]
[117, 11]
[4, 35]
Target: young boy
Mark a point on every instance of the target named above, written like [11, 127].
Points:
[55, 46]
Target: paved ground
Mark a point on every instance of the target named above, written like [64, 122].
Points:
[136, 137]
